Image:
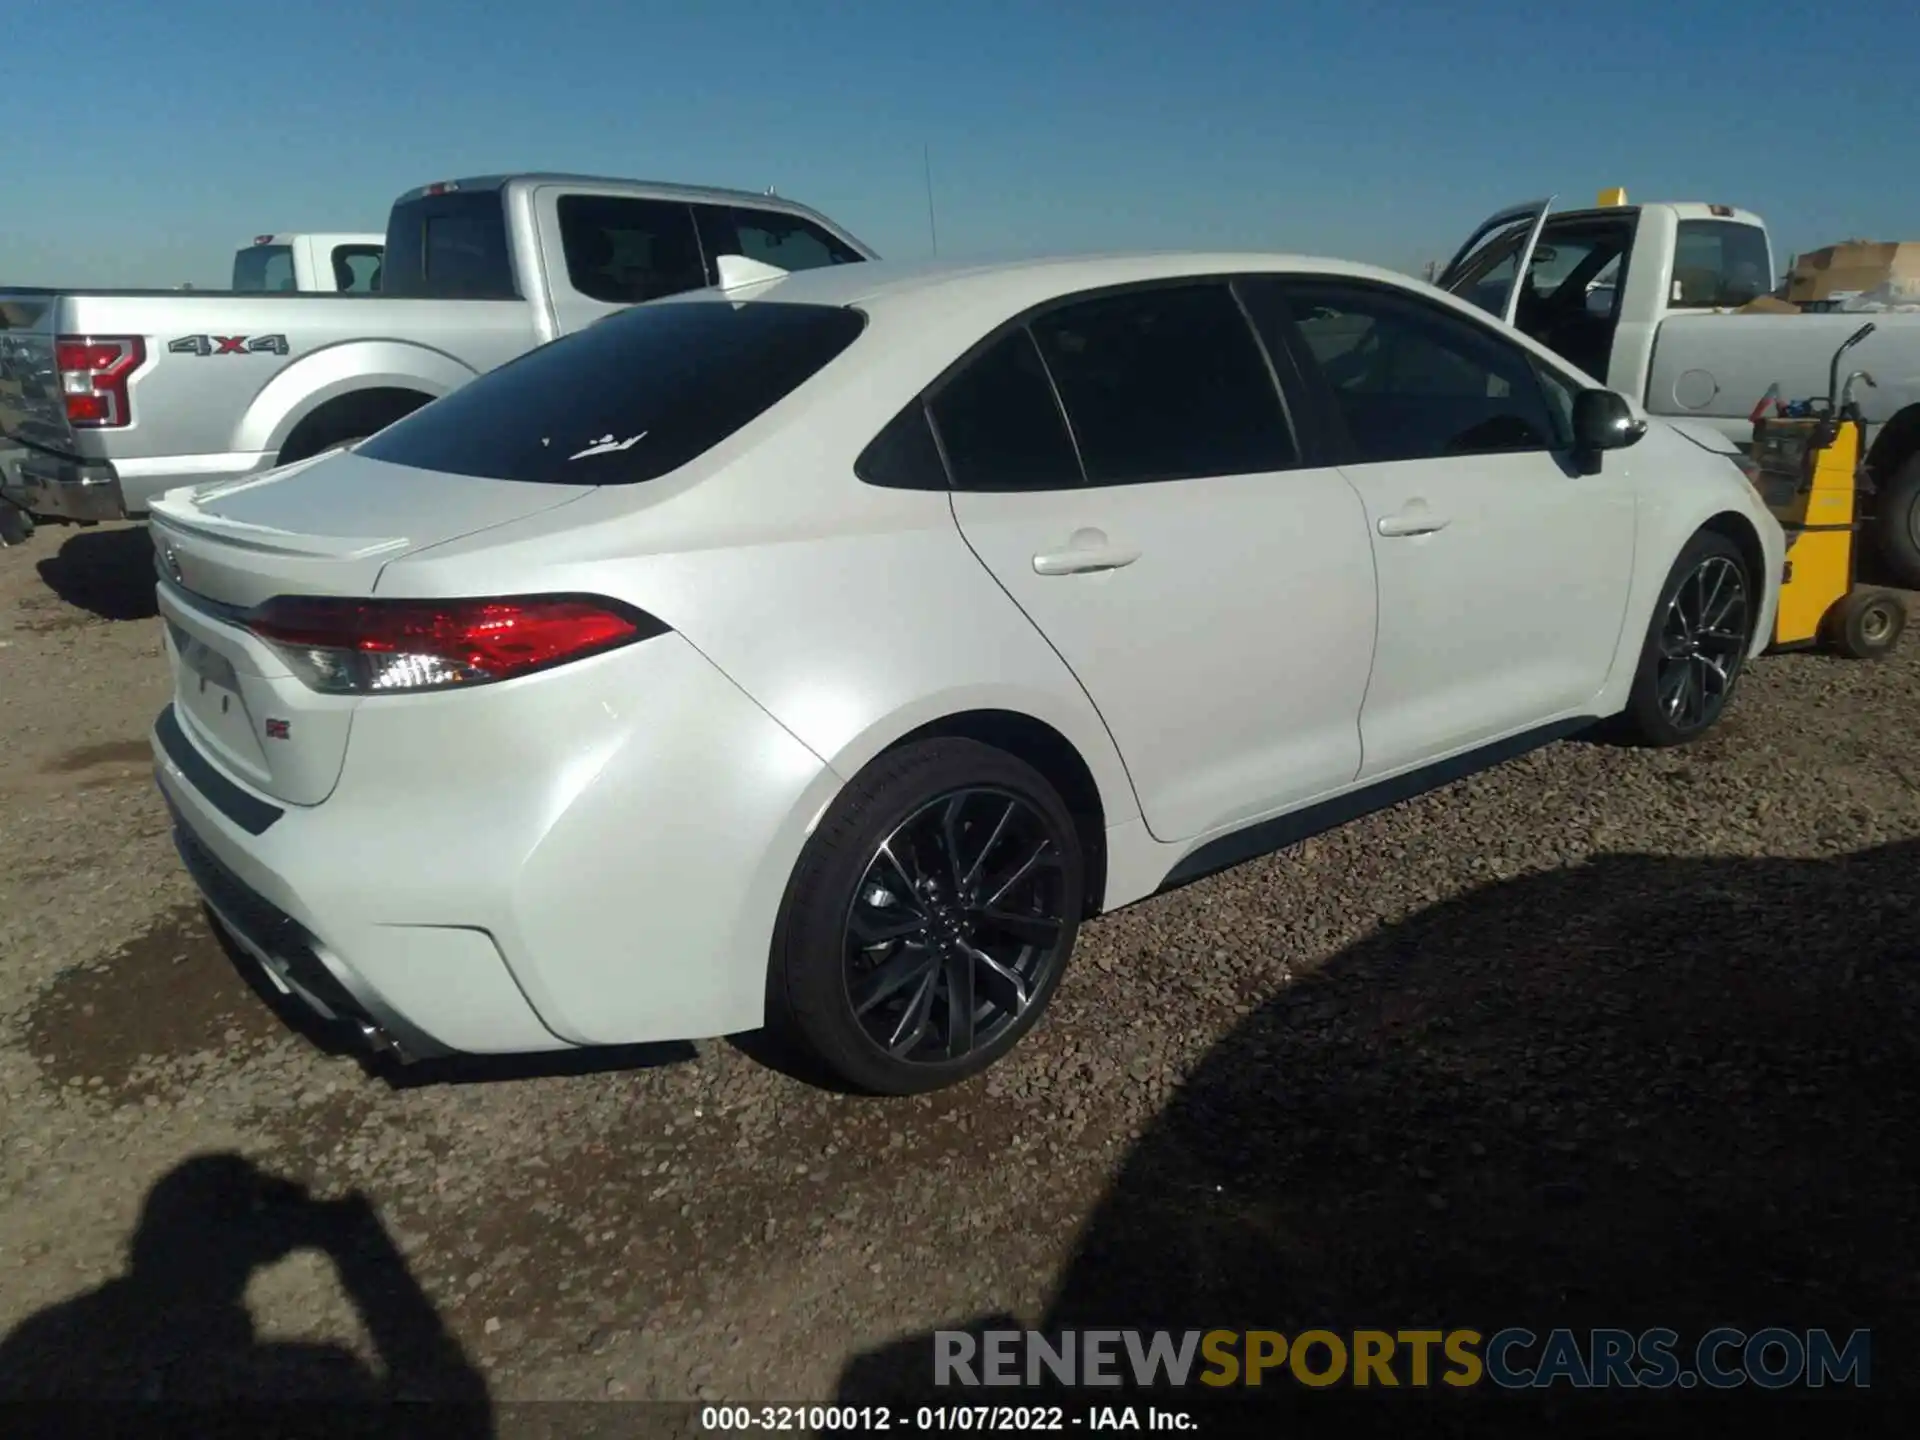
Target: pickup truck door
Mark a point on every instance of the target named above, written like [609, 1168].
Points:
[1487, 270]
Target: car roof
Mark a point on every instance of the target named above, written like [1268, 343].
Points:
[993, 285]
[955, 303]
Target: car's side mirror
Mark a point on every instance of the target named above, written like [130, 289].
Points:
[1602, 420]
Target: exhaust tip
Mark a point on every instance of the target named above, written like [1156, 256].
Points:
[381, 1043]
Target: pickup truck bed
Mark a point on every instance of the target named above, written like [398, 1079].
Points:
[116, 396]
[218, 383]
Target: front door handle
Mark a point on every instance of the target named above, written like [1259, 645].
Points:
[1086, 552]
[1411, 522]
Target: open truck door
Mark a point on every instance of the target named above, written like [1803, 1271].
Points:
[1487, 270]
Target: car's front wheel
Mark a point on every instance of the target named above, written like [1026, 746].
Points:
[929, 919]
[1696, 645]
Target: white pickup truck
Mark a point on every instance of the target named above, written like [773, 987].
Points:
[310, 264]
[1643, 297]
[116, 396]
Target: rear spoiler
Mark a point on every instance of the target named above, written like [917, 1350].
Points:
[179, 510]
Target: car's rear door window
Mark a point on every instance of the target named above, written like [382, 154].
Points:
[1165, 383]
[629, 399]
[1000, 425]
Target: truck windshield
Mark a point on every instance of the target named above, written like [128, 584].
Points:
[628, 399]
[264, 267]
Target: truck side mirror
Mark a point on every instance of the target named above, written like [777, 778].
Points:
[1602, 420]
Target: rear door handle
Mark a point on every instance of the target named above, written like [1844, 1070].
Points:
[1411, 522]
[1082, 559]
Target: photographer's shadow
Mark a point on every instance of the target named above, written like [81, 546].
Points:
[175, 1326]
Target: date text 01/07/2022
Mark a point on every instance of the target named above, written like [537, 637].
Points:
[937, 1419]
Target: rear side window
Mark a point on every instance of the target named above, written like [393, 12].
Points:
[629, 399]
[625, 251]
[904, 455]
[1000, 425]
[450, 247]
[356, 269]
[264, 267]
[1165, 384]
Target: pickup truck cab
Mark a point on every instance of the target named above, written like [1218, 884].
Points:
[1644, 298]
[117, 396]
[310, 264]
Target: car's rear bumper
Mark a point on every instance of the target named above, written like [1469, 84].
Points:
[591, 856]
[294, 961]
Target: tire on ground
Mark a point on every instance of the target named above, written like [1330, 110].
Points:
[809, 1005]
[1645, 720]
[1896, 524]
[1866, 624]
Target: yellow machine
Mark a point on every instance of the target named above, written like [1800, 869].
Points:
[1807, 464]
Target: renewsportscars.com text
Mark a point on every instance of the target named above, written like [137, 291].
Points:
[1775, 1358]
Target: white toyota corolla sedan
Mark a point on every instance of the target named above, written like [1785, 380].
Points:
[818, 654]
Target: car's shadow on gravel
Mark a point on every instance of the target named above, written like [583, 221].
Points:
[175, 1325]
[108, 573]
[1639, 1093]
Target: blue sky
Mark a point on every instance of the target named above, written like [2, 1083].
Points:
[147, 139]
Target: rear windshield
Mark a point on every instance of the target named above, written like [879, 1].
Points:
[264, 267]
[1719, 263]
[631, 398]
[450, 247]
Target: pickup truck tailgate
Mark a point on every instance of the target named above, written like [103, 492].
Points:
[325, 526]
[32, 408]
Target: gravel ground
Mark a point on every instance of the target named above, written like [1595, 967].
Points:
[1603, 1037]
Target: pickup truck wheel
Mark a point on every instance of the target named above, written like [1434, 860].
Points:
[1896, 524]
[1696, 646]
[16, 525]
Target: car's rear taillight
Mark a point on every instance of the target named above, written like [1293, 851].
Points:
[94, 370]
[386, 647]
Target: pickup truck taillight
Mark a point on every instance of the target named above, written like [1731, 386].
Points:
[93, 376]
[384, 647]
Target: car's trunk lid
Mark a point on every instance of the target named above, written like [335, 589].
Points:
[326, 526]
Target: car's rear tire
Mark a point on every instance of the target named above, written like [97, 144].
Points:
[1696, 645]
[929, 919]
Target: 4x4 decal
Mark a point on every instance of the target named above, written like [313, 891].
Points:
[228, 345]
